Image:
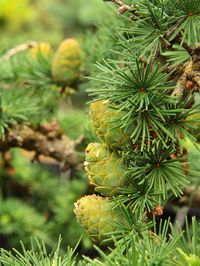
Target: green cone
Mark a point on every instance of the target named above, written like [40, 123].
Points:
[97, 216]
[105, 169]
[41, 49]
[106, 122]
[66, 62]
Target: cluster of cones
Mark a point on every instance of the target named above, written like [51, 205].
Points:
[106, 171]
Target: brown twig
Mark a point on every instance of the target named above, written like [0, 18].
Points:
[117, 2]
[190, 79]
[123, 7]
[52, 144]
[18, 49]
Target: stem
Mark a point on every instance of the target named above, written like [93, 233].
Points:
[48, 141]
[123, 7]
[18, 49]
[119, 3]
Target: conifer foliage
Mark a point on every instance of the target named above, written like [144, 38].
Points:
[143, 108]
[30, 96]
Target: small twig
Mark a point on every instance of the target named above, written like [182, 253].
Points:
[119, 3]
[123, 7]
[18, 49]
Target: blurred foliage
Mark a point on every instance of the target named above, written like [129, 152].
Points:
[77, 119]
[15, 14]
[37, 201]
[77, 15]
[52, 21]
[22, 20]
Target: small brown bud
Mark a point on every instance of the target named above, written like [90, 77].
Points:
[174, 155]
[157, 211]
[154, 135]
[184, 151]
[189, 85]
[11, 170]
[181, 135]
[122, 9]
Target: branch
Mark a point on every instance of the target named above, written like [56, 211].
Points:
[119, 3]
[43, 141]
[18, 49]
[123, 7]
[187, 74]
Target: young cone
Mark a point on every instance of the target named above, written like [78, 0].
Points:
[105, 169]
[97, 216]
[41, 49]
[66, 62]
[106, 122]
